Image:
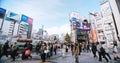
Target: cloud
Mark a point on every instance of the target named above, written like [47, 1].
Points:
[41, 11]
[63, 29]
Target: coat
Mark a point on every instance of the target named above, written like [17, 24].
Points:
[76, 50]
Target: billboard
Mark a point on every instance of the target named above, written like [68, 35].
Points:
[30, 20]
[2, 12]
[93, 36]
[79, 25]
[12, 16]
[24, 18]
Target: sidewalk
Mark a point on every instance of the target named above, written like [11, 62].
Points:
[83, 58]
[35, 59]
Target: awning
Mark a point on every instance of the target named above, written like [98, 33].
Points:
[24, 40]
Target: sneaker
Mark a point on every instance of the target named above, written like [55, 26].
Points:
[118, 58]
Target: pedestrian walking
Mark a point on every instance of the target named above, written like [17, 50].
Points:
[83, 47]
[51, 49]
[37, 48]
[63, 50]
[76, 52]
[94, 50]
[106, 50]
[27, 46]
[103, 52]
[72, 46]
[43, 52]
[99, 52]
[55, 48]
[5, 49]
[115, 52]
[88, 47]
[14, 50]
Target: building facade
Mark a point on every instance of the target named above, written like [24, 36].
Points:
[115, 7]
[109, 29]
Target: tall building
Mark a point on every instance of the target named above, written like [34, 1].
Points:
[109, 29]
[23, 29]
[115, 7]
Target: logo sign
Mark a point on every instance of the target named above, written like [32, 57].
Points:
[74, 19]
[30, 20]
[24, 18]
[12, 16]
[2, 12]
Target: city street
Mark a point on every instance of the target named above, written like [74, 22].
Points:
[83, 58]
[57, 31]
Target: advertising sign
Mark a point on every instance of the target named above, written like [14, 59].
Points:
[12, 16]
[93, 36]
[2, 12]
[24, 18]
[30, 20]
[80, 26]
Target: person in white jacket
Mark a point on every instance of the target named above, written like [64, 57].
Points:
[64, 50]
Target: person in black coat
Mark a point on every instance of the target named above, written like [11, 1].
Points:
[5, 49]
[14, 50]
[94, 49]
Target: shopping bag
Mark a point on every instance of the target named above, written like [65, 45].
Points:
[27, 52]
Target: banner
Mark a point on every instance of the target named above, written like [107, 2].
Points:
[24, 18]
[80, 25]
[2, 12]
[12, 16]
[30, 20]
[93, 36]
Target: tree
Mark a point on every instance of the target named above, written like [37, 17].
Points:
[67, 38]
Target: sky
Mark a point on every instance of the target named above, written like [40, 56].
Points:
[53, 14]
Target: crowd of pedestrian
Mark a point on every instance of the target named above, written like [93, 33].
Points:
[47, 50]
[98, 49]
[44, 50]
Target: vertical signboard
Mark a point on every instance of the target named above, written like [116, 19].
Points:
[2, 15]
[29, 31]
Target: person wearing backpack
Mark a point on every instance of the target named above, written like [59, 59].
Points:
[103, 52]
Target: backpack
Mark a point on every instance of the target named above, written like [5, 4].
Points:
[102, 50]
